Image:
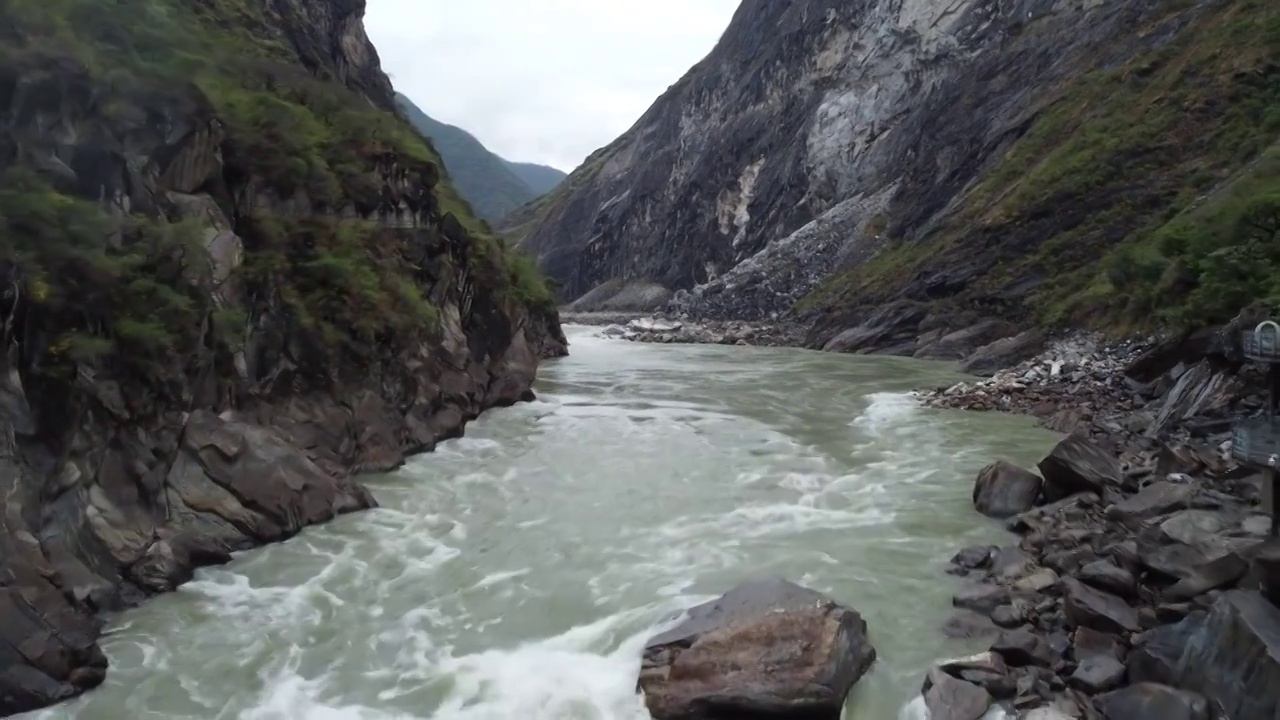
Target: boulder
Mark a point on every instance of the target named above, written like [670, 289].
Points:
[1096, 674]
[1149, 701]
[1077, 465]
[1216, 573]
[1088, 642]
[1231, 655]
[1021, 648]
[950, 699]
[1105, 575]
[986, 669]
[1003, 490]
[1155, 499]
[966, 624]
[973, 557]
[768, 648]
[982, 598]
[1003, 353]
[1086, 607]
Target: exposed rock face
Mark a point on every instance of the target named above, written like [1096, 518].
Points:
[766, 649]
[170, 445]
[818, 135]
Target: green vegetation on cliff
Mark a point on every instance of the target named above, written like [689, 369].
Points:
[492, 185]
[1167, 167]
[322, 186]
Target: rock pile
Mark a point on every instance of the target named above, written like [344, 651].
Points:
[1068, 383]
[733, 332]
[1135, 592]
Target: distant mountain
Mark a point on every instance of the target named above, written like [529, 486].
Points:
[492, 185]
[542, 178]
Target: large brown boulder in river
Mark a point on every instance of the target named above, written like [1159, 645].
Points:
[768, 648]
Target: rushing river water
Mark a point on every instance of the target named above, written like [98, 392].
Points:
[515, 573]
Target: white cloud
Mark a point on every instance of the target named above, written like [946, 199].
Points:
[544, 81]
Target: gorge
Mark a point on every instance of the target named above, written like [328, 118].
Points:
[244, 295]
[883, 173]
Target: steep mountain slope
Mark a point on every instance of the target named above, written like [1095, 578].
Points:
[231, 277]
[540, 178]
[900, 167]
[492, 185]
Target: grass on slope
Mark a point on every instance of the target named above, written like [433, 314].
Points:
[1165, 168]
[491, 187]
[519, 223]
[141, 299]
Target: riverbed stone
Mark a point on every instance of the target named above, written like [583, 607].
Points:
[1003, 490]
[948, 698]
[1155, 499]
[768, 648]
[1105, 575]
[1021, 648]
[1096, 674]
[967, 624]
[1216, 573]
[1077, 465]
[1036, 582]
[1085, 606]
[1087, 642]
[982, 598]
[1230, 654]
[1149, 701]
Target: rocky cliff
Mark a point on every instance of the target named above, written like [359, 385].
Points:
[231, 277]
[888, 170]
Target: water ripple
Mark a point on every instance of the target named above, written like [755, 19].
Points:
[516, 572]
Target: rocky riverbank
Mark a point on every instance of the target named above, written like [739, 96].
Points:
[1074, 379]
[1143, 579]
[657, 329]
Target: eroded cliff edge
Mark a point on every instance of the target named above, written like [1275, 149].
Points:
[889, 172]
[232, 277]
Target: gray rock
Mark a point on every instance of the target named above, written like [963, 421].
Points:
[1200, 529]
[1003, 490]
[1078, 465]
[1107, 576]
[1216, 573]
[1086, 607]
[1037, 582]
[966, 625]
[1231, 655]
[1155, 499]
[1148, 701]
[767, 648]
[1009, 616]
[1020, 648]
[948, 698]
[1096, 674]
[1088, 642]
[982, 598]
[973, 557]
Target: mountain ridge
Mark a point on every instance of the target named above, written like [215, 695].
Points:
[493, 185]
[833, 175]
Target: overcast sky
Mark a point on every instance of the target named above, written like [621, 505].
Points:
[545, 81]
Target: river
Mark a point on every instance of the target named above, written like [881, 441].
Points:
[515, 573]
